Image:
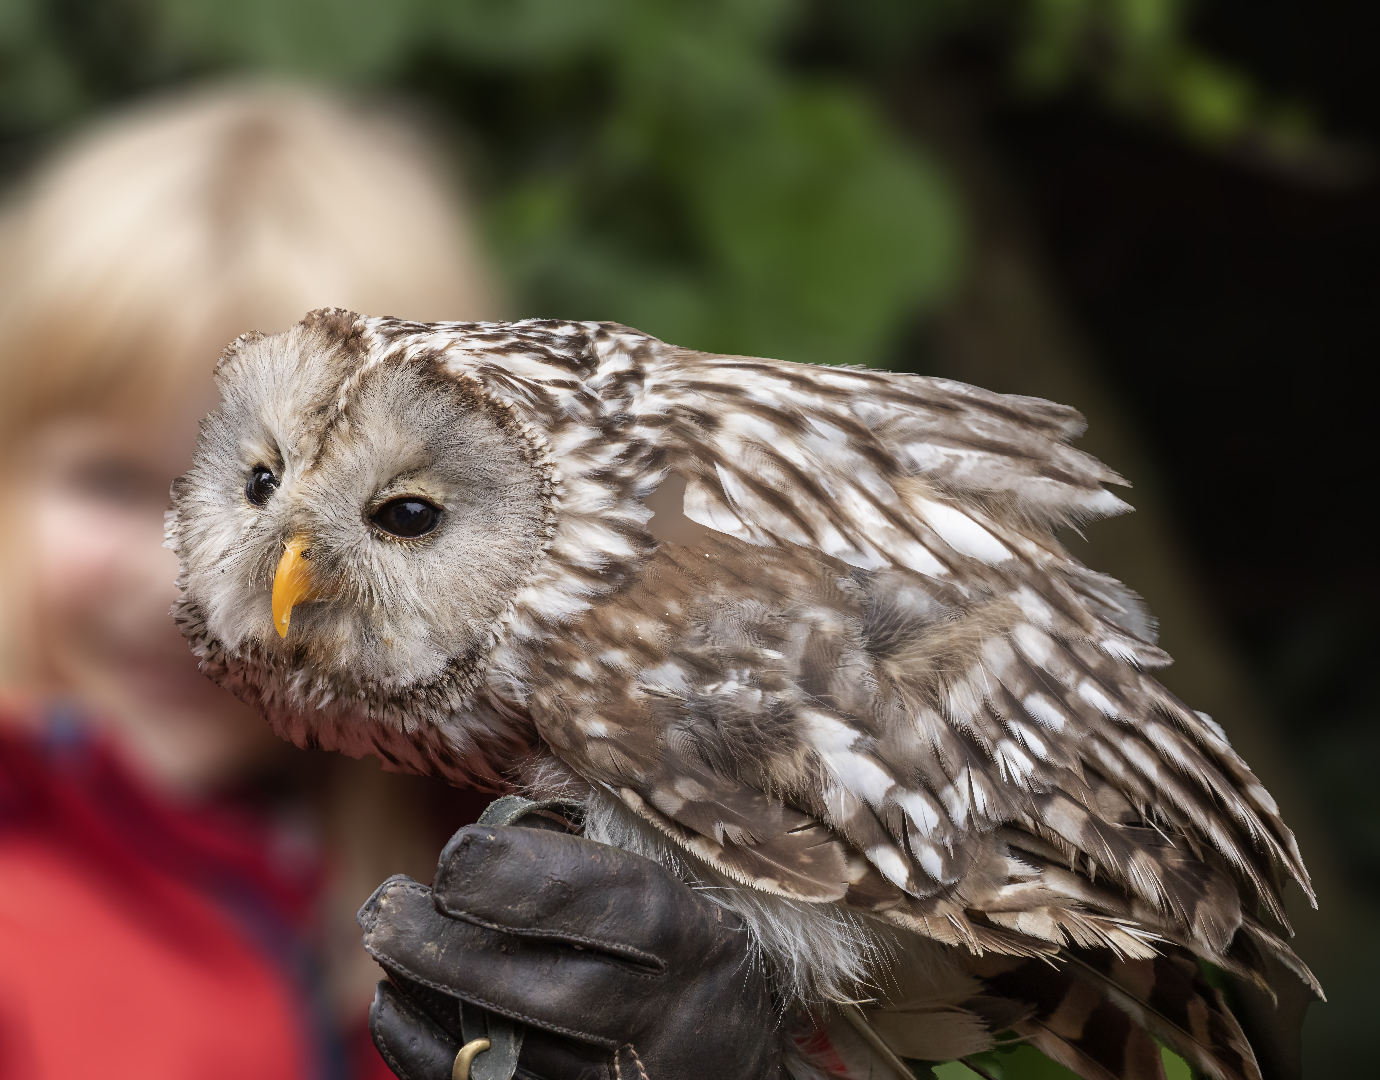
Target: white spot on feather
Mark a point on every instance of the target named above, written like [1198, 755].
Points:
[1033, 742]
[1033, 606]
[886, 859]
[1093, 695]
[1035, 645]
[962, 533]
[1119, 649]
[921, 811]
[913, 554]
[1262, 798]
[930, 860]
[703, 506]
[668, 676]
[689, 788]
[858, 773]
[1045, 711]
[1013, 759]
[1215, 727]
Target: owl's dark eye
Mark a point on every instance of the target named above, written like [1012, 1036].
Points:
[407, 516]
[261, 485]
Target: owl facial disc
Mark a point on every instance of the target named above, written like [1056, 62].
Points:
[374, 501]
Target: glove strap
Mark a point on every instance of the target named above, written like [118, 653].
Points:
[499, 1061]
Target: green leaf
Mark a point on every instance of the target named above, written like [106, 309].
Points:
[825, 232]
[1175, 1067]
[348, 40]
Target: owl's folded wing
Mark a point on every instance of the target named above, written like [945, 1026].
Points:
[1014, 774]
[874, 468]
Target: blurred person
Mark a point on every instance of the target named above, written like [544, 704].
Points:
[179, 888]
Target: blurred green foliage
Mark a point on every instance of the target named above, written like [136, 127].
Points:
[658, 163]
[689, 167]
[672, 164]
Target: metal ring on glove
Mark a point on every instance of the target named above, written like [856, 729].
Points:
[461, 1069]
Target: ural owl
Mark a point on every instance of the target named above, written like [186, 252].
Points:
[804, 634]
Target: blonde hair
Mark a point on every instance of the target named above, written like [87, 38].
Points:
[137, 253]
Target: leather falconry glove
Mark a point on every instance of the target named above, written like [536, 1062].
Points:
[551, 957]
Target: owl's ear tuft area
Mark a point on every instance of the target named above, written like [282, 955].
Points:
[339, 326]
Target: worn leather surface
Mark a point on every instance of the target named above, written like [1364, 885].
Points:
[413, 1047]
[610, 963]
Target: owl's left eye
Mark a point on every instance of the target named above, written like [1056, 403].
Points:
[261, 485]
[407, 517]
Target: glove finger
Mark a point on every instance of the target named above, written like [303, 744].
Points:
[412, 1046]
[578, 993]
[539, 884]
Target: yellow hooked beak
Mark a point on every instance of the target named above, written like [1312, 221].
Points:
[293, 583]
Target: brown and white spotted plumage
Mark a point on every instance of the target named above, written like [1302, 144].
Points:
[852, 679]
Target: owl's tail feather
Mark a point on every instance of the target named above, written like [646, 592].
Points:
[1100, 1015]
[1254, 937]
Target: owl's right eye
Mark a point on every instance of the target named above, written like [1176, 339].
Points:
[407, 517]
[261, 485]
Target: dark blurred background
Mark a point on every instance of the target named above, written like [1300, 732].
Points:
[1161, 212]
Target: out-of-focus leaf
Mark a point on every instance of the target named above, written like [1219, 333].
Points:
[1212, 103]
[1019, 1063]
[37, 84]
[341, 39]
[518, 32]
[1175, 1067]
[1139, 55]
[882, 235]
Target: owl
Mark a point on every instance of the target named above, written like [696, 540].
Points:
[805, 635]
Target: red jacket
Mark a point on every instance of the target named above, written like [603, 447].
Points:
[142, 939]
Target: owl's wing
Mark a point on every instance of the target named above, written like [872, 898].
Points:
[874, 468]
[1001, 749]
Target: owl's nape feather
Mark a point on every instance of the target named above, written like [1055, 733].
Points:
[852, 682]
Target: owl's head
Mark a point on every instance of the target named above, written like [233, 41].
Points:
[352, 531]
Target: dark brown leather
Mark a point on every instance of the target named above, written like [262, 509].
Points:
[608, 961]
[412, 1045]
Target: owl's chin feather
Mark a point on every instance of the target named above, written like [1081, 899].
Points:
[469, 737]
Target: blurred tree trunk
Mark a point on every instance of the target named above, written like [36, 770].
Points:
[1005, 331]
